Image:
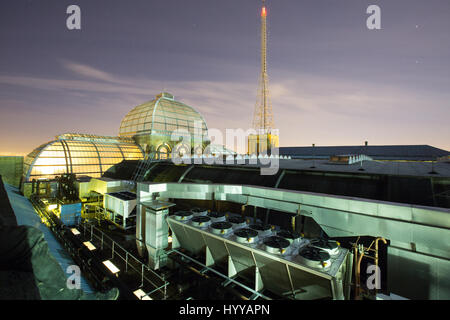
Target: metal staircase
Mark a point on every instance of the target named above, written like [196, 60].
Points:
[143, 167]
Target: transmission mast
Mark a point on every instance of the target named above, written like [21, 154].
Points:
[263, 123]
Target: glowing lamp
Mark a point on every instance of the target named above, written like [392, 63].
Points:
[111, 266]
[89, 245]
[141, 295]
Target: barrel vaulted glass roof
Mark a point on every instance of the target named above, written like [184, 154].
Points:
[79, 154]
[162, 116]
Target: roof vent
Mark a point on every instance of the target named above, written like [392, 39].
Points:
[165, 95]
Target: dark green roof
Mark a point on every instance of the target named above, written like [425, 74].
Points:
[387, 152]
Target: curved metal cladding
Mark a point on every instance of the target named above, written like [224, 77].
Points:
[416, 190]
[166, 171]
[79, 154]
[151, 124]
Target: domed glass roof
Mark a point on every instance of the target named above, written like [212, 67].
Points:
[162, 116]
[80, 154]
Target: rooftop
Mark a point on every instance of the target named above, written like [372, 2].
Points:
[383, 152]
[398, 168]
[396, 181]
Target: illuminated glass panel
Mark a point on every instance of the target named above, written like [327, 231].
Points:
[162, 115]
[91, 157]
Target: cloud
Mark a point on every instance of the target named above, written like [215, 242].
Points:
[306, 107]
[70, 85]
[87, 71]
[300, 93]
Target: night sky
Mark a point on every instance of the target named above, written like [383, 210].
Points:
[332, 80]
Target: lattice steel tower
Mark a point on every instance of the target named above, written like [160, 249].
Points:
[263, 117]
[266, 138]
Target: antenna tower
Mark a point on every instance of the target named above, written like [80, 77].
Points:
[263, 117]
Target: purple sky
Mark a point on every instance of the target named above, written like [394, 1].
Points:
[332, 81]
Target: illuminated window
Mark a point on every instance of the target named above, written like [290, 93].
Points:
[79, 154]
[163, 152]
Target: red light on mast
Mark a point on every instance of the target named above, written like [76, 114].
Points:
[263, 12]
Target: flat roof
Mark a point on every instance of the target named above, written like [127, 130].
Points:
[157, 205]
[400, 168]
[401, 152]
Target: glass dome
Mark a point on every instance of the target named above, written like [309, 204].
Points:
[162, 116]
